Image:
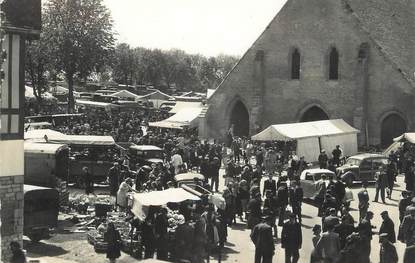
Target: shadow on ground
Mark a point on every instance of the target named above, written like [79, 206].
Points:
[41, 249]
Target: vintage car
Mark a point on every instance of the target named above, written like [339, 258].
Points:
[361, 167]
[309, 179]
[145, 154]
[41, 209]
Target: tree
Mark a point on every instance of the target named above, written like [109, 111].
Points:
[38, 66]
[80, 38]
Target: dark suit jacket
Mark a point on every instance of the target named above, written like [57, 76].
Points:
[270, 185]
[389, 228]
[261, 236]
[291, 236]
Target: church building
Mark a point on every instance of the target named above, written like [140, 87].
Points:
[325, 59]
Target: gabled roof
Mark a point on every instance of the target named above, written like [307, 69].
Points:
[156, 95]
[124, 94]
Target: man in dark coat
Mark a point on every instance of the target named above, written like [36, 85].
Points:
[391, 177]
[282, 201]
[388, 227]
[323, 159]
[344, 229]
[261, 236]
[291, 239]
[270, 184]
[114, 176]
[296, 199]
[214, 167]
[161, 226]
[365, 231]
[407, 228]
[363, 197]
[336, 155]
[404, 203]
[409, 254]
[255, 211]
[387, 253]
[381, 181]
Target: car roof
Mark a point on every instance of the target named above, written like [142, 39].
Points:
[317, 170]
[145, 148]
[367, 155]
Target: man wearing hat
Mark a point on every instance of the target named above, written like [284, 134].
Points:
[387, 227]
[387, 253]
[323, 159]
[255, 212]
[261, 236]
[381, 181]
[328, 247]
[291, 239]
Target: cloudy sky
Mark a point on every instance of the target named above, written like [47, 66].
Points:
[208, 27]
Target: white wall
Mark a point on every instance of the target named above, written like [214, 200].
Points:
[11, 158]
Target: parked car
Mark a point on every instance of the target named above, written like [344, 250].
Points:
[361, 167]
[309, 179]
[145, 154]
[41, 209]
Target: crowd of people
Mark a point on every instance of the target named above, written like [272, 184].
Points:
[203, 229]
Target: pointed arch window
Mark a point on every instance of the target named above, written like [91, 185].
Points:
[295, 64]
[333, 64]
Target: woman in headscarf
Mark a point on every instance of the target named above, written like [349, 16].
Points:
[113, 238]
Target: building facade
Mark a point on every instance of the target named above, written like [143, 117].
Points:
[325, 59]
[20, 21]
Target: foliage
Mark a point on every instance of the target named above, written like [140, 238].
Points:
[79, 36]
[169, 68]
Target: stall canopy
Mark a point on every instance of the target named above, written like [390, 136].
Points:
[312, 137]
[141, 201]
[51, 136]
[186, 115]
[398, 141]
[406, 137]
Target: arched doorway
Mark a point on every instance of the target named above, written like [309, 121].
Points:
[314, 113]
[392, 126]
[240, 119]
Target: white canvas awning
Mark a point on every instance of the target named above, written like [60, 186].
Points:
[408, 136]
[292, 131]
[186, 116]
[314, 136]
[141, 201]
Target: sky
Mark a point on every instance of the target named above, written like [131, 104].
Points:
[208, 27]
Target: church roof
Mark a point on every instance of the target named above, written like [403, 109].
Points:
[391, 26]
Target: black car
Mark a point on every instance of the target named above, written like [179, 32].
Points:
[145, 154]
[361, 167]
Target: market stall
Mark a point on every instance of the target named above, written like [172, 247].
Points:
[398, 142]
[141, 202]
[186, 114]
[312, 137]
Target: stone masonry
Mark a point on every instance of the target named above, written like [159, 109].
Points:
[376, 73]
[11, 196]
